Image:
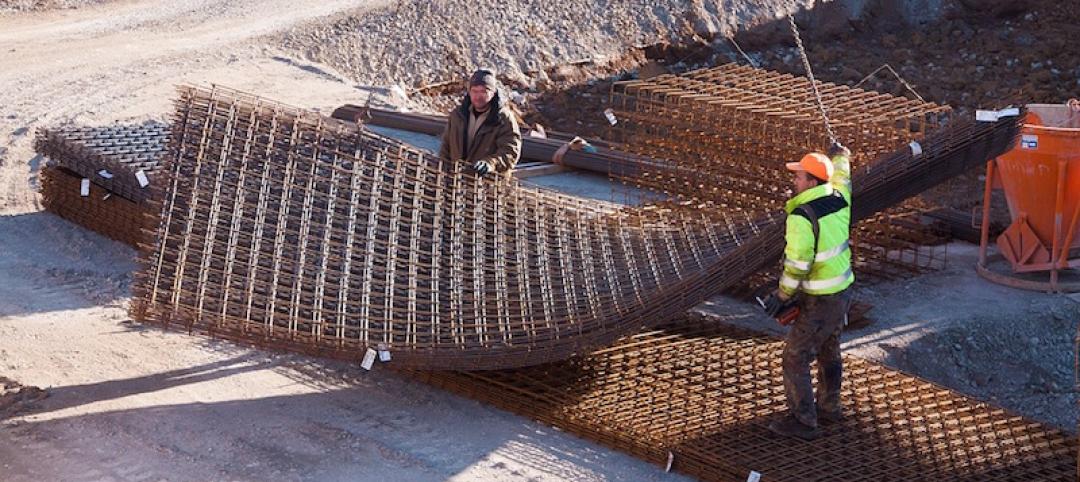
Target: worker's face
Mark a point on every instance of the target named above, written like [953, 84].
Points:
[804, 181]
[480, 96]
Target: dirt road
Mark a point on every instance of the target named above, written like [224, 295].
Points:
[119, 62]
[130, 403]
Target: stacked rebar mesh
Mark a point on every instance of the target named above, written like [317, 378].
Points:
[284, 228]
[99, 177]
[729, 130]
[703, 393]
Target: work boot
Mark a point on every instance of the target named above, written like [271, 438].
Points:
[789, 426]
[829, 416]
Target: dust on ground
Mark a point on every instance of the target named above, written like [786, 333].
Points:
[129, 402]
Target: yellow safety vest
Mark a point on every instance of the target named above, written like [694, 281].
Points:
[829, 270]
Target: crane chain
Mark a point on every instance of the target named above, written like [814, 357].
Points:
[810, 74]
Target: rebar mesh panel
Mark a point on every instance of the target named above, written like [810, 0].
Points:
[726, 132]
[287, 228]
[101, 211]
[121, 150]
[284, 228]
[706, 392]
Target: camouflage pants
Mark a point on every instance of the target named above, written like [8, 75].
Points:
[815, 335]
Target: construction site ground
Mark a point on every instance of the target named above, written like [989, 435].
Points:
[88, 394]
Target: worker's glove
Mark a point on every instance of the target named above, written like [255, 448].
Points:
[776, 303]
[838, 149]
[483, 168]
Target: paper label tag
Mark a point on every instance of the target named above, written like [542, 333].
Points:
[1011, 112]
[369, 359]
[610, 114]
[1029, 141]
[84, 188]
[384, 352]
[754, 477]
[670, 460]
[106, 196]
[916, 148]
[994, 115]
[105, 174]
[141, 176]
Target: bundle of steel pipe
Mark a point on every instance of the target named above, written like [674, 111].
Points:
[432, 125]
[699, 394]
[604, 160]
[285, 228]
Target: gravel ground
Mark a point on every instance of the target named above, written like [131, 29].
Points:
[8, 7]
[130, 403]
[127, 402]
[415, 42]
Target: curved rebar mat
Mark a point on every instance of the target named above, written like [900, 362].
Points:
[283, 228]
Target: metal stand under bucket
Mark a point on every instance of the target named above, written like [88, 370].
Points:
[1041, 181]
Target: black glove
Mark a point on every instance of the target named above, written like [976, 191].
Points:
[482, 168]
[838, 149]
[772, 304]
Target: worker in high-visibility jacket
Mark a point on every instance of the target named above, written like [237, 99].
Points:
[817, 274]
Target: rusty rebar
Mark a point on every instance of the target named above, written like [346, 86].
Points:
[705, 393]
[288, 229]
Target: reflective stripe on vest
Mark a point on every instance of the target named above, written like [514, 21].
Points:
[827, 255]
[815, 285]
[799, 265]
[820, 258]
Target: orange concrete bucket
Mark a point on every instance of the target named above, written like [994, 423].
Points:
[1041, 180]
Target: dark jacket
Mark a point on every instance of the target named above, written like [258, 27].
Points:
[497, 141]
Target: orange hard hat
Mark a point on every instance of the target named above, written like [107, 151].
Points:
[817, 164]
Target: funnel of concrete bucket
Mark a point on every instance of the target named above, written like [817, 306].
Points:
[1040, 178]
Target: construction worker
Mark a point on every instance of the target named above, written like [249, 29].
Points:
[483, 132]
[816, 277]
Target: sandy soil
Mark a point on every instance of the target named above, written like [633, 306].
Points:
[120, 62]
[131, 403]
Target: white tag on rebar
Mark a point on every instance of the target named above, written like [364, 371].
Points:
[369, 359]
[84, 188]
[610, 114]
[106, 196]
[105, 174]
[1029, 141]
[986, 116]
[384, 353]
[141, 176]
[916, 148]
[670, 460]
[753, 477]
[1010, 112]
